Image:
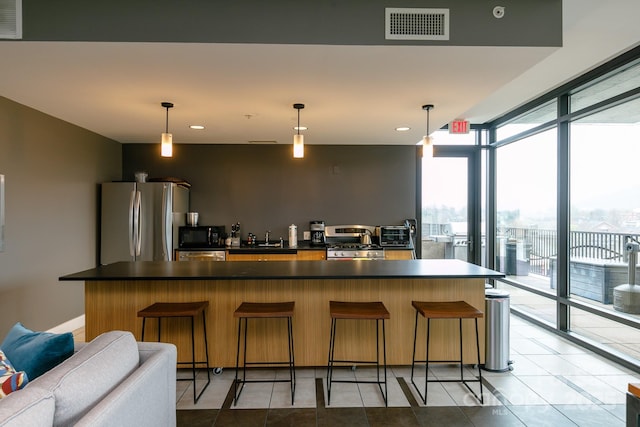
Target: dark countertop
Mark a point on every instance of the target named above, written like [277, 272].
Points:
[245, 270]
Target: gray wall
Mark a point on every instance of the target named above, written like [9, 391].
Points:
[264, 188]
[345, 22]
[52, 170]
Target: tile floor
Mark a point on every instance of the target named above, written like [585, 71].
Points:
[553, 383]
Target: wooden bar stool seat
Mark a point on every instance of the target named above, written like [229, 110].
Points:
[161, 310]
[263, 310]
[358, 311]
[445, 310]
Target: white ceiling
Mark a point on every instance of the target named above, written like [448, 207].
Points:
[353, 94]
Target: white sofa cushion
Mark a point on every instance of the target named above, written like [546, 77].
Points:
[88, 376]
[147, 398]
[21, 408]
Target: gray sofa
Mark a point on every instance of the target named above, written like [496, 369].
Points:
[111, 381]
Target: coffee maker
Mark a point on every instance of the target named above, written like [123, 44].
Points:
[317, 233]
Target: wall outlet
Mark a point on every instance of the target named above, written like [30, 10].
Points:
[306, 235]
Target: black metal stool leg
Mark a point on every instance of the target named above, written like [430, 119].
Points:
[206, 348]
[292, 363]
[384, 358]
[235, 382]
[426, 363]
[332, 344]
[461, 367]
[479, 370]
[193, 360]
[143, 322]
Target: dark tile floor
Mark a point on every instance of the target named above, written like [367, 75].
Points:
[415, 415]
[554, 383]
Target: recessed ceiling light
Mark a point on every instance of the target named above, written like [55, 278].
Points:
[300, 128]
[403, 128]
[197, 127]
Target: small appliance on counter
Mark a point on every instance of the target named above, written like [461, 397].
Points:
[395, 235]
[201, 237]
[192, 219]
[317, 233]
[234, 239]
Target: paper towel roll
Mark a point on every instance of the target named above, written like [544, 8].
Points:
[293, 236]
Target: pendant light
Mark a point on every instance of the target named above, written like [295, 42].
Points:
[166, 146]
[427, 141]
[298, 140]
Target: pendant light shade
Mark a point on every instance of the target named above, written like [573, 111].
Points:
[298, 140]
[166, 144]
[298, 146]
[427, 140]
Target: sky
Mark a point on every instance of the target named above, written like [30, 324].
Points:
[605, 171]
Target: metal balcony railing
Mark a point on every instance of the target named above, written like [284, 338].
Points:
[540, 245]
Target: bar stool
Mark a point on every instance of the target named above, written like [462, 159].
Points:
[263, 310]
[445, 310]
[161, 310]
[358, 311]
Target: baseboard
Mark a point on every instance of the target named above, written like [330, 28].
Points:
[68, 326]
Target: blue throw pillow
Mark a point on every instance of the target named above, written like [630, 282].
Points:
[36, 352]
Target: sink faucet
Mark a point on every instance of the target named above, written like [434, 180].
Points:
[266, 237]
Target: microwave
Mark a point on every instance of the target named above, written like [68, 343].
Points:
[201, 237]
[395, 235]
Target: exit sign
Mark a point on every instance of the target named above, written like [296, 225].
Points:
[459, 126]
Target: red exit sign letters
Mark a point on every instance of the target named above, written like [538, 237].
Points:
[459, 126]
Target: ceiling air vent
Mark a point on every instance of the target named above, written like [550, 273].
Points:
[10, 19]
[416, 24]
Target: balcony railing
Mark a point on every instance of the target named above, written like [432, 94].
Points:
[542, 246]
[538, 247]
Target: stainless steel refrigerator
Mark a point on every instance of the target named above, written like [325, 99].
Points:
[139, 221]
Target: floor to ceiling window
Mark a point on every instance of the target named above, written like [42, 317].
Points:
[605, 216]
[567, 205]
[526, 193]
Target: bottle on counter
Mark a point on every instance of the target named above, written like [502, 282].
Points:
[293, 236]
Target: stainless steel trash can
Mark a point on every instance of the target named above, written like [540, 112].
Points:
[497, 331]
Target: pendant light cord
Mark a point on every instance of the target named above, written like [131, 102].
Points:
[166, 128]
[428, 109]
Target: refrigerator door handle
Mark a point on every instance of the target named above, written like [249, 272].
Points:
[167, 215]
[132, 230]
[138, 223]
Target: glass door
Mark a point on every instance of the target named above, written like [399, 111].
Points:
[451, 200]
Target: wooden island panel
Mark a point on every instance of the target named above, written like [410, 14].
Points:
[113, 304]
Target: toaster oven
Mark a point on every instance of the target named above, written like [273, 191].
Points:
[395, 235]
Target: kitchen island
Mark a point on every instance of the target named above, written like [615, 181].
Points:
[115, 293]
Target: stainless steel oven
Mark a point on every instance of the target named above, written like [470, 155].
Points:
[346, 251]
[213, 255]
[344, 242]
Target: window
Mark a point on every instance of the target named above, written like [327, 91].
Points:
[612, 84]
[542, 114]
[605, 208]
[526, 241]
